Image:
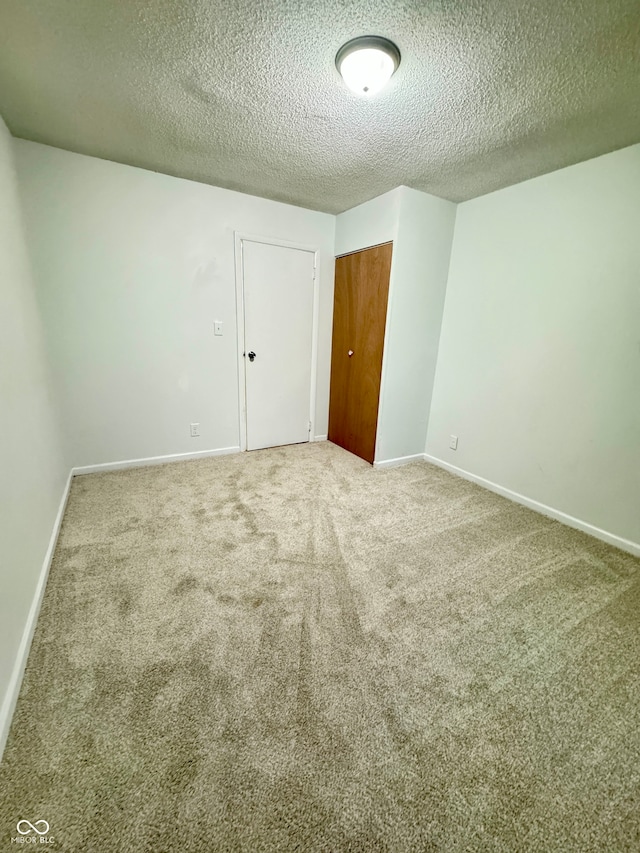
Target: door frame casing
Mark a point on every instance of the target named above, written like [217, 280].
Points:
[239, 238]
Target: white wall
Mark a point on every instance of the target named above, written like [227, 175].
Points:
[368, 224]
[132, 268]
[416, 300]
[33, 472]
[539, 364]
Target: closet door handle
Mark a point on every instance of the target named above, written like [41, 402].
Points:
[350, 353]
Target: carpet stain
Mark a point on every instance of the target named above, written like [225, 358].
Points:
[185, 584]
[288, 650]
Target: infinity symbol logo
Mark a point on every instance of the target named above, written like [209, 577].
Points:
[33, 827]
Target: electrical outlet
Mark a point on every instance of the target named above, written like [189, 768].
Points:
[453, 442]
[195, 430]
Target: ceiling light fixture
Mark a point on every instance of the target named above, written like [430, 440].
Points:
[366, 63]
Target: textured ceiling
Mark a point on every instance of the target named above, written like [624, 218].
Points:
[245, 94]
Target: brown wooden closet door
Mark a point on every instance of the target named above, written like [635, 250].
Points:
[359, 319]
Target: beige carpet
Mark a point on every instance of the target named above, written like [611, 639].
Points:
[289, 651]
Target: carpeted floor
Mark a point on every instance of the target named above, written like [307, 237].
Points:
[289, 651]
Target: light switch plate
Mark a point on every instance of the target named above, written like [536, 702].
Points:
[217, 328]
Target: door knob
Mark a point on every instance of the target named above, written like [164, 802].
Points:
[252, 355]
[350, 353]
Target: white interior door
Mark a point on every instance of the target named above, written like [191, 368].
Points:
[278, 289]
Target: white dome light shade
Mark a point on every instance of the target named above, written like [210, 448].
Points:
[367, 63]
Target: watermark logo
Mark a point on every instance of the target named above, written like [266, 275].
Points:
[32, 833]
[32, 827]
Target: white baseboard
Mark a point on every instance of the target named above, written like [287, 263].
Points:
[569, 520]
[151, 460]
[15, 681]
[400, 460]
[319, 437]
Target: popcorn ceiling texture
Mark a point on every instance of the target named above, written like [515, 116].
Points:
[246, 95]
